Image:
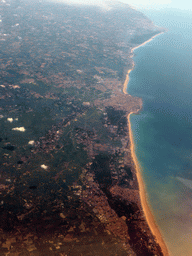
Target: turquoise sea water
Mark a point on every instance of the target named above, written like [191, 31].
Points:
[162, 131]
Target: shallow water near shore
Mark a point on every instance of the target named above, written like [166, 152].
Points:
[162, 131]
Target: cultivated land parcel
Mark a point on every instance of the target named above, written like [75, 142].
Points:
[68, 183]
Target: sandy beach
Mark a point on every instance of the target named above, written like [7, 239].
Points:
[143, 197]
[127, 80]
[128, 72]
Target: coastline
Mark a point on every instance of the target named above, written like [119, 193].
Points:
[132, 50]
[142, 191]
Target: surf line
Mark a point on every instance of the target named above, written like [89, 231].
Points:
[142, 191]
[143, 197]
[132, 50]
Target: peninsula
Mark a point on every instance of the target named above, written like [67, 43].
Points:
[70, 183]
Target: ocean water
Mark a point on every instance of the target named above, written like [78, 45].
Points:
[162, 131]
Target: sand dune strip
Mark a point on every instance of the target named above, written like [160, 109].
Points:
[143, 197]
[128, 72]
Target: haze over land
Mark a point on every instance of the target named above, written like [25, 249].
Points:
[141, 4]
[68, 182]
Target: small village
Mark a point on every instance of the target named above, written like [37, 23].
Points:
[68, 179]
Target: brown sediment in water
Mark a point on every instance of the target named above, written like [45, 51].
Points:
[142, 191]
